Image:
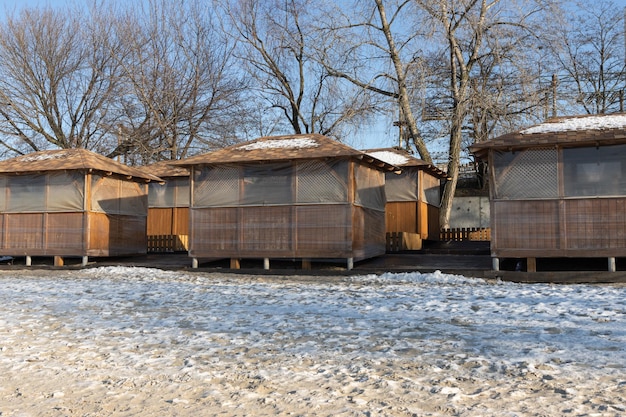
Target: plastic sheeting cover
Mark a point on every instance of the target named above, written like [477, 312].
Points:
[270, 184]
[594, 171]
[59, 191]
[114, 196]
[401, 187]
[530, 173]
[173, 193]
[370, 188]
[587, 172]
[431, 190]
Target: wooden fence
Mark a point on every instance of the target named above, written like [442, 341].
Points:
[401, 241]
[466, 233]
[168, 243]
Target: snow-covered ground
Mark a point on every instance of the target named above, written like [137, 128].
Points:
[144, 342]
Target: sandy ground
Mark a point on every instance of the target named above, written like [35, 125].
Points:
[50, 369]
[59, 382]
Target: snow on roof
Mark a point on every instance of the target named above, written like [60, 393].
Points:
[579, 123]
[298, 143]
[392, 158]
[42, 157]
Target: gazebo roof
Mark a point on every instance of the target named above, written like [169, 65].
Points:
[586, 130]
[403, 159]
[165, 169]
[71, 159]
[285, 148]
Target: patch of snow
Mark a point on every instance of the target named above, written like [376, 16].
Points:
[97, 341]
[298, 143]
[43, 157]
[581, 123]
[390, 157]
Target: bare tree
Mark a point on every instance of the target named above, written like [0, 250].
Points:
[276, 42]
[589, 46]
[56, 80]
[182, 90]
[481, 37]
[373, 46]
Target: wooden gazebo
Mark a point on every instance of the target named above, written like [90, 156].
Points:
[72, 203]
[168, 208]
[558, 190]
[291, 197]
[413, 199]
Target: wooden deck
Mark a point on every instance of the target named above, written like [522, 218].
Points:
[469, 260]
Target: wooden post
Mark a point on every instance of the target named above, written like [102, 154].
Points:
[531, 264]
[86, 213]
[234, 263]
[58, 261]
[306, 264]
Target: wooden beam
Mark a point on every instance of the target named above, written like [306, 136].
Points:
[306, 264]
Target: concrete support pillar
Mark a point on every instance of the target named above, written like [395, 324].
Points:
[612, 266]
[495, 264]
[266, 263]
[194, 263]
[350, 264]
[29, 260]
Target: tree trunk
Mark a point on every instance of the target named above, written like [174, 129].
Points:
[403, 95]
[453, 175]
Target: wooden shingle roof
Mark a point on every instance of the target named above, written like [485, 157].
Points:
[586, 130]
[403, 159]
[165, 169]
[71, 159]
[284, 148]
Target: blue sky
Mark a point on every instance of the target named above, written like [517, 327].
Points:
[382, 134]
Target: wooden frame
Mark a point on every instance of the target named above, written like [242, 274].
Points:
[410, 212]
[246, 227]
[567, 221]
[75, 218]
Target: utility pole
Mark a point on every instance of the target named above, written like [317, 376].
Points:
[403, 136]
[554, 84]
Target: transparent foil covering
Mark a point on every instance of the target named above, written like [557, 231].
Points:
[114, 196]
[286, 209]
[401, 187]
[530, 173]
[46, 214]
[173, 193]
[560, 201]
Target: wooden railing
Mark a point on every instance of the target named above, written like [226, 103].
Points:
[466, 233]
[168, 243]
